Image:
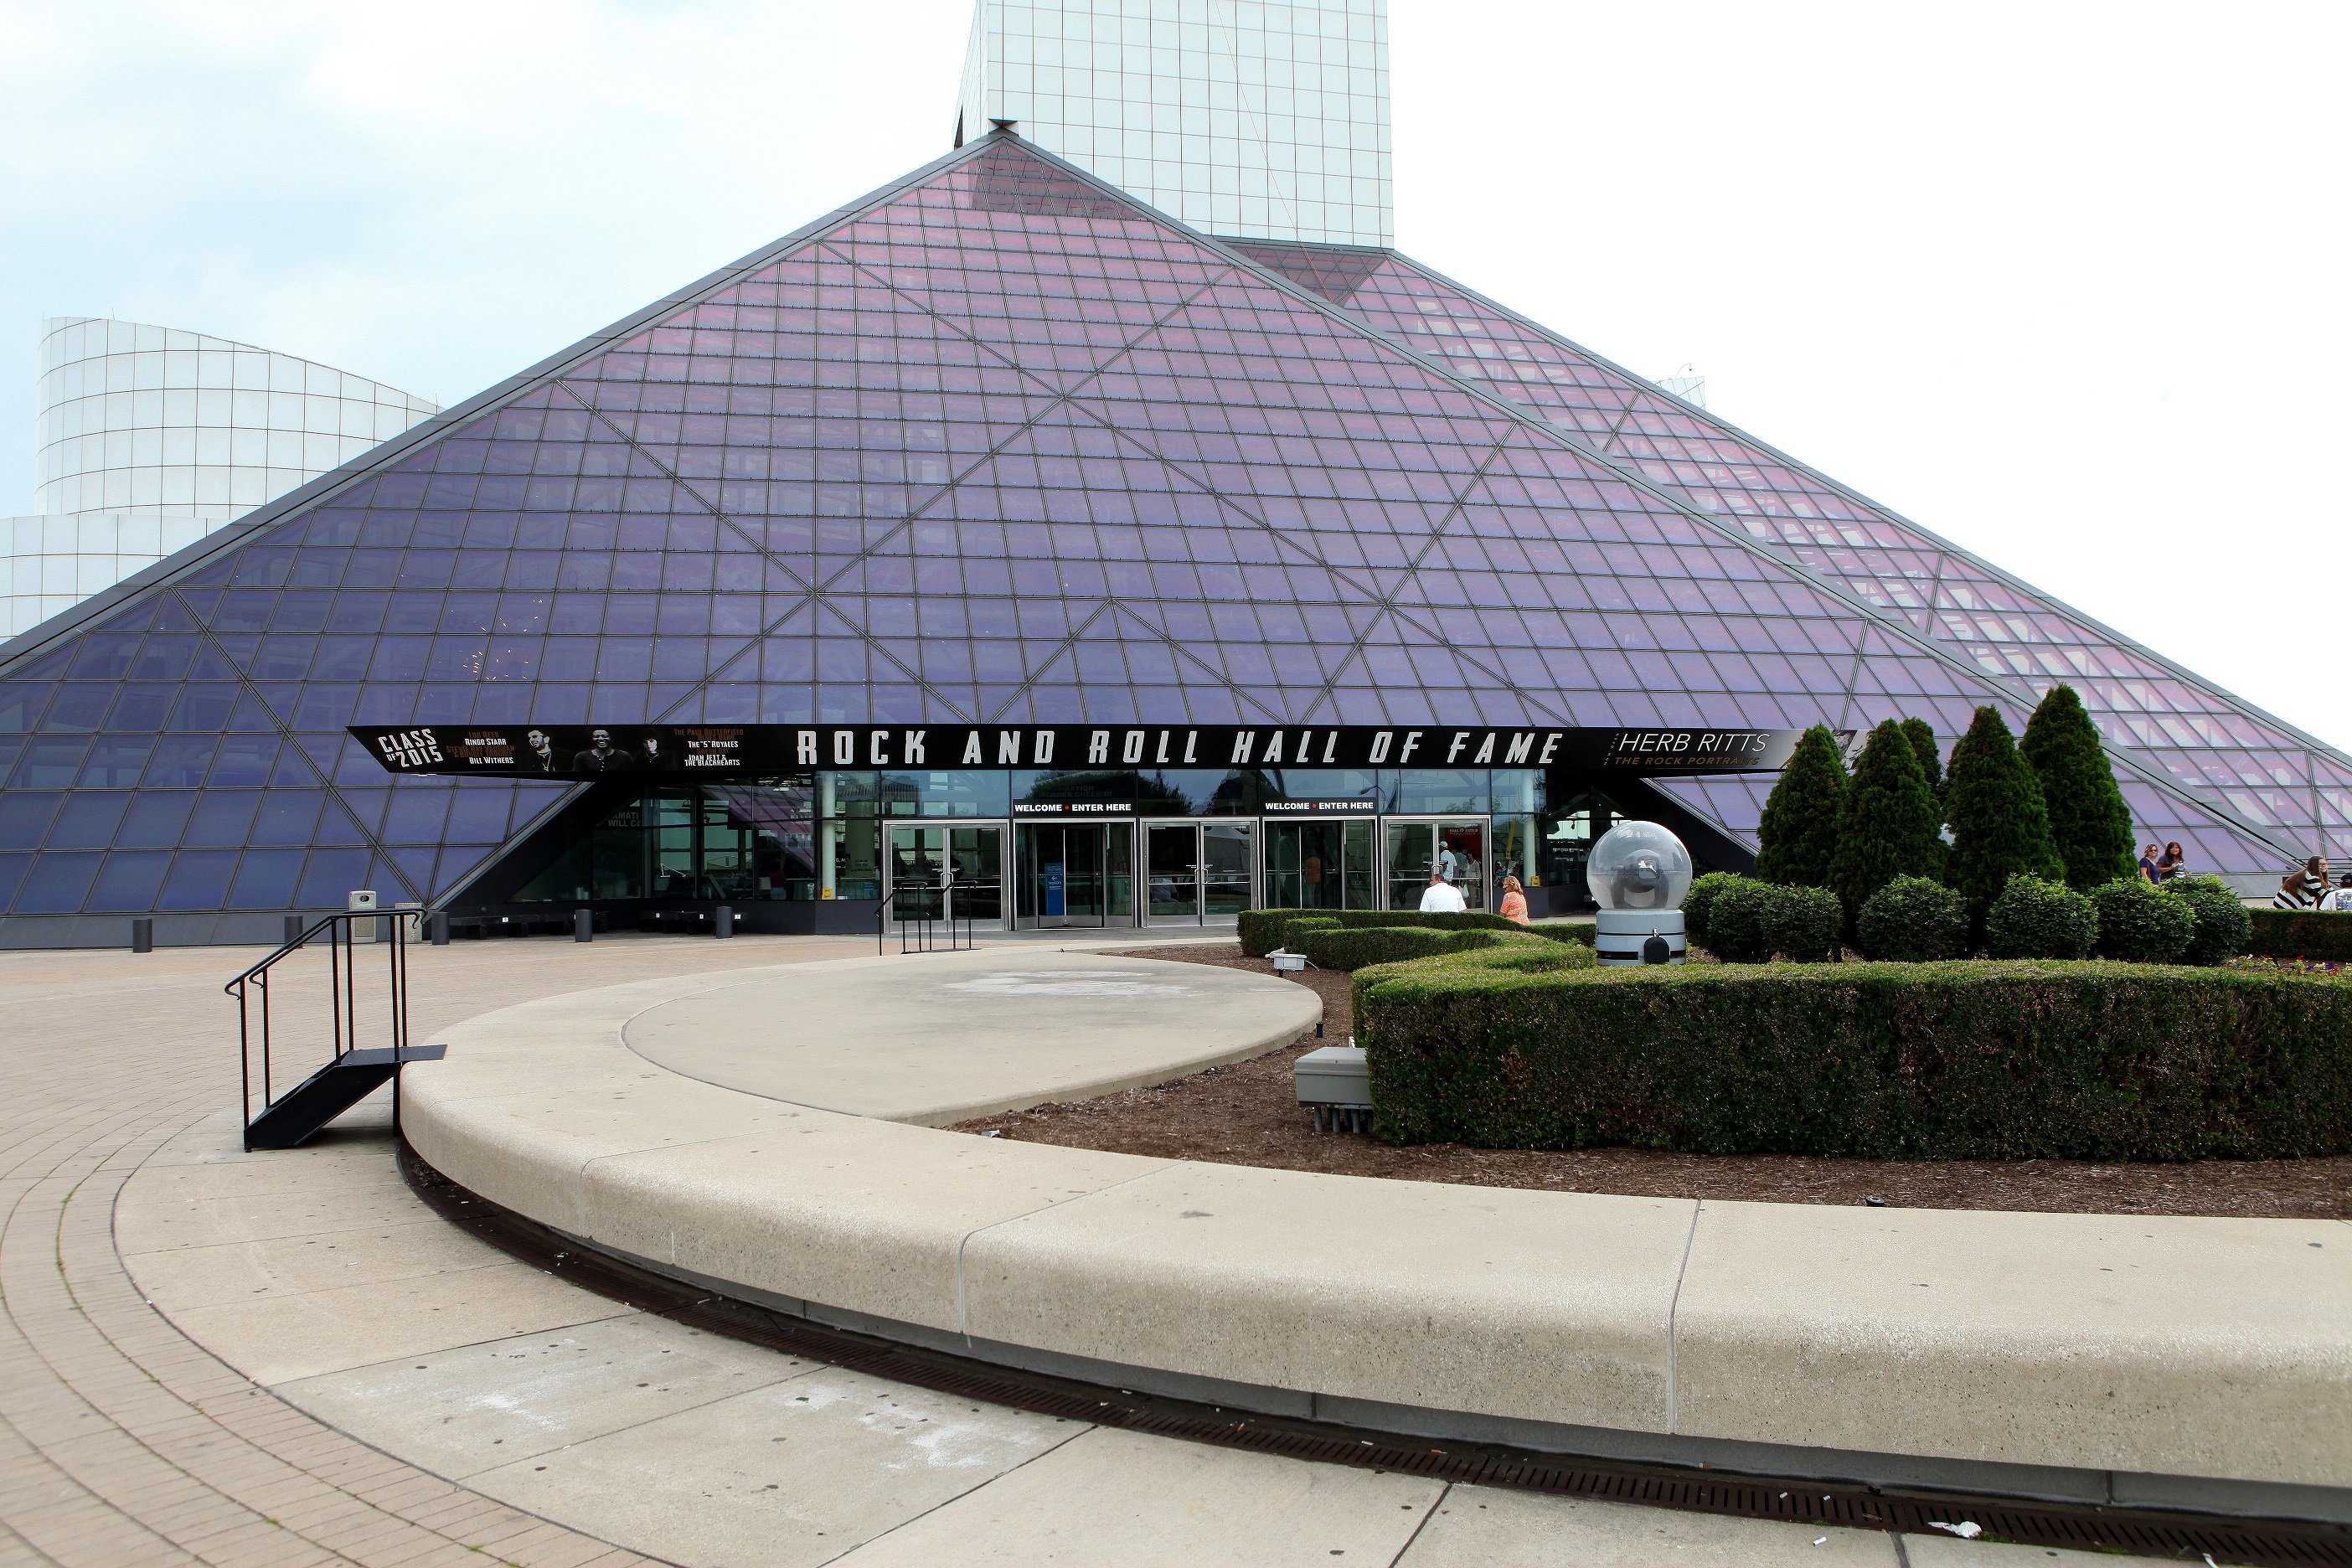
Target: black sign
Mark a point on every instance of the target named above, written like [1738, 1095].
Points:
[741, 751]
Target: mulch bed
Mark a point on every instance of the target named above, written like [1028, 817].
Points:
[1246, 1115]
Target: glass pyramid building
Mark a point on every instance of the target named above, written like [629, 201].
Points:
[1000, 444]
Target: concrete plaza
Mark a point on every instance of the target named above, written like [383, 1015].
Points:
[217, 1358]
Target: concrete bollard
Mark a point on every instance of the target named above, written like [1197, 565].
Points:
[437, 923]
[723, 922]
[583, 926]
[143, 933]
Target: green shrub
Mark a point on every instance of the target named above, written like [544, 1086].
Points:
[2225, 927]
[1914, 919]
[1922, 736]
[1295, 931]
[1700, 901]
[2089, 822]
[2034, 919]
[1890, 827]
[1803, 924]
[1734, 922]
[1261, 931]
[2140, 923]
[1346, 949]
[1958, 1060]
[2000, 828]
[2301, 933]
[1797, 836]
[1747, 921]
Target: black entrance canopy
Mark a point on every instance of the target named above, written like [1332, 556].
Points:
[702, 750]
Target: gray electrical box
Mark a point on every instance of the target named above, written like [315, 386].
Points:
[1334, 1084]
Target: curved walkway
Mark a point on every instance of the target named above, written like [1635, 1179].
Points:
[124, 1440]
[2156, 1360]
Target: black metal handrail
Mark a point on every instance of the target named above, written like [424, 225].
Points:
[909, 940]
[343, 1012]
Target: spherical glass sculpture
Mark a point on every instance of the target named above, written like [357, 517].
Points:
[1638, 866]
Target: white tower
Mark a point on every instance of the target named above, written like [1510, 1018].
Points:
[1251, 118]
[152, 438]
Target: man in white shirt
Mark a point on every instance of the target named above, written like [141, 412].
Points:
[2339, 902]
[1441, 897]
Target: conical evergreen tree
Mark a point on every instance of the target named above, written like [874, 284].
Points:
[1888, 827]
[2088, 820]
[1993, 801]
[1798, 835]
[1931, 763]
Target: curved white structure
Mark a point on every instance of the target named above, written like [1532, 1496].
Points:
[149, 437]
[2107, 1359]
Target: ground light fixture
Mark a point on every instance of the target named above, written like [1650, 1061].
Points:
[1638, 874]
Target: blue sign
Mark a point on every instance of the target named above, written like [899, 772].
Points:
[1053, 900]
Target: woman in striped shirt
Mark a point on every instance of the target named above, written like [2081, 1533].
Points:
[2301, 889]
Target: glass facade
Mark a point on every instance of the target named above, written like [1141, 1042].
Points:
[150, 438]
[1266, 118]
[2251, 778]
[1001, 446]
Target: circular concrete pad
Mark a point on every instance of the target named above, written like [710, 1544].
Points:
[939, 1037]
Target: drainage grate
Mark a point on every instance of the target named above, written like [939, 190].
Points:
[2182, 1537]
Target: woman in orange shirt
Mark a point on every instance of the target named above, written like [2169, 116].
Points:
[1515, 902]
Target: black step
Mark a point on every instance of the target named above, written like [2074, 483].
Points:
[298, 1114]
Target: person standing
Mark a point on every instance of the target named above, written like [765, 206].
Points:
[1441, 897]
[1515, 902]
[2171, 863]
[2147, 872]
[2339, 902]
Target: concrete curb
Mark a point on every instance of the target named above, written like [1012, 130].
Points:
[2153, 1360]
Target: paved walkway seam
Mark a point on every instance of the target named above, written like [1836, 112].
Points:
[1674, 1308]
[962, 1321]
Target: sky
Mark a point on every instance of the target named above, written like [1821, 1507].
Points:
[2060, 283]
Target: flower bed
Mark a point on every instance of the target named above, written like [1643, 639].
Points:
[2303, 933]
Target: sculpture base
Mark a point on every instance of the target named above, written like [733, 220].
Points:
[1624, 934]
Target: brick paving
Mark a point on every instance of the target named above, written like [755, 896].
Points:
[122, 1441]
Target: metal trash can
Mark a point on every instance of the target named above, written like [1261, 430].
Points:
[722, 923]
[583, 926]
[143, 933]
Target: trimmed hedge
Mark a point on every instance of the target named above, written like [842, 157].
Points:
[1295, 931]
[2224, 925]
[1698, 905]
[1803, 924]
[2034, 919]
[1958, 1060]
[1913, 920]
[1261, 931]
[1747, 921]
[2140, 923]
[2301, 933]
[1344, 950]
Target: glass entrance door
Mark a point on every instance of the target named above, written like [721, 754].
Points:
[1319, 865]
[1171, 869]
[1454, 846]
[975, 891]
[1198, 871]
[1227, 862]
[1064, 879]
